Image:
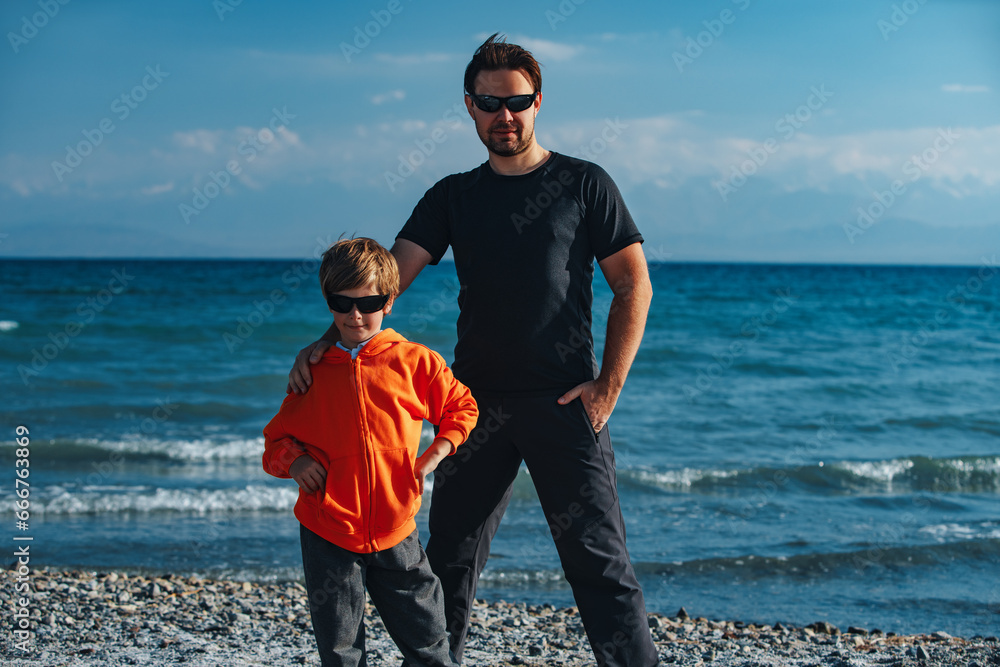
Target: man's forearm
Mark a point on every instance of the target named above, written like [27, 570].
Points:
[626, 323]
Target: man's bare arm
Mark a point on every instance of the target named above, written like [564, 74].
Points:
[411, 259]
[628, 276]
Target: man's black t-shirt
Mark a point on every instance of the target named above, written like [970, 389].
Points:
[524, 250]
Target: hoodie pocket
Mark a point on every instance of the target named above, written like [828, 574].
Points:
[342, 507]
[395, 498]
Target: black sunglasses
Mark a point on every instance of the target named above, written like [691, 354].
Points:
[366, 304]
[514, 103]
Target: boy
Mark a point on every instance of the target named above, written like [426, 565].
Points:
[351, 445]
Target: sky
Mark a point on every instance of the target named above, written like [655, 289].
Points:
[856, 131]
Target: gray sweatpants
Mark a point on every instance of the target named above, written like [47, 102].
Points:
[402, 587]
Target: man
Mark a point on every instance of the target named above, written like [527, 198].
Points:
[525, 228]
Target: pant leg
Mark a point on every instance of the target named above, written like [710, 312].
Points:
[574, 475]
[335, 583]
[471, 491]
[409, 599]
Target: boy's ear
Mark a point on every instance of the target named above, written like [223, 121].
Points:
[388, 306]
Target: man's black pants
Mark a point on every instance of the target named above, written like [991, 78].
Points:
[574, 476]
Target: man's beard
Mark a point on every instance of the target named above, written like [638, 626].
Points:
[511, 146]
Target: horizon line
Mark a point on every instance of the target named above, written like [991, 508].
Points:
[449, 260]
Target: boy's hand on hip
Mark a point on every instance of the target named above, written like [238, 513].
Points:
[308, 474]
[428, 462]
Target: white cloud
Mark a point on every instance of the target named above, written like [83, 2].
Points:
[174, 163]
[27, 176]
[545, 50]
[158, 189]
[242, 140]
[205, 141]
[943, 155]
[288, 138]
[962, 88]
[20, 187]
[628, 36]
[382, 98]
[411, 59]
[666, 150]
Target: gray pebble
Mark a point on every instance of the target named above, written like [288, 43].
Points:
[104, 620]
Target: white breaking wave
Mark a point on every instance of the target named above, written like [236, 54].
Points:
[145, 500]
[883, 473]
[202, 449]
[218, 448]
[989, 465]
[959, 470]
[8, 325]
[683, 478]
[947, 532]
[880, 471]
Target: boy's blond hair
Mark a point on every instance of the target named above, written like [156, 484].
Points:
[352, 263]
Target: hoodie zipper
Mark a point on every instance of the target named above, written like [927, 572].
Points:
[369, 463]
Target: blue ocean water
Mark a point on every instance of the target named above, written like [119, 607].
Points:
[794, 443]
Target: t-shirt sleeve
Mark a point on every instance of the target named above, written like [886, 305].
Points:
[608, 220]
[428, 224]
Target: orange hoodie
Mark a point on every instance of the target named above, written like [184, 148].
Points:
[361, 420]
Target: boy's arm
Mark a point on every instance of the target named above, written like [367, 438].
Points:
[308, 473]
[280, 449]
[427, 462]
[285, 457]
[450, 406]
[279, 455]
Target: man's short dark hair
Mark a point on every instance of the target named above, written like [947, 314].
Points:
[496, 54]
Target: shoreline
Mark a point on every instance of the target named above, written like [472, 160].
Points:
[111, 618]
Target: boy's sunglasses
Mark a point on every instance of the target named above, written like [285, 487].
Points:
[514, 103]
[366, 304]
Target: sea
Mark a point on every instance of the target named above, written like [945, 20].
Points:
[795, 443]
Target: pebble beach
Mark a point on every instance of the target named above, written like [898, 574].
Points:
[113, 618]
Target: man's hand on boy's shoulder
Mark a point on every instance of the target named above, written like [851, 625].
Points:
[300, 377]
[308, 474]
